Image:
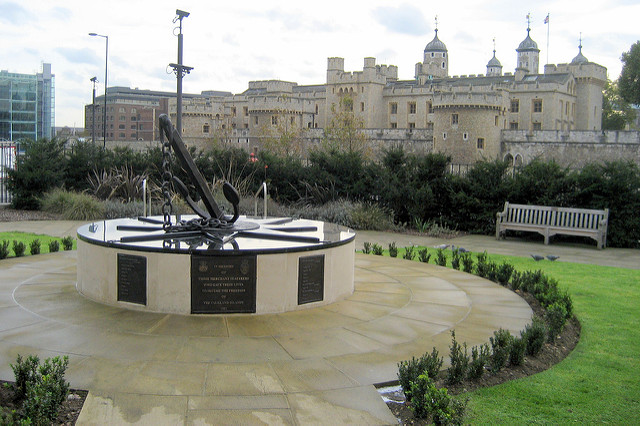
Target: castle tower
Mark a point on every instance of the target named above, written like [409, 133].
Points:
[579, 59]
[436, 61]
[494, 67]
[528, 54]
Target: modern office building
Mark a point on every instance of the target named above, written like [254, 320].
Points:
[27, 105]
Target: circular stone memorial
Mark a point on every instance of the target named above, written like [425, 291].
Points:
[258, 266]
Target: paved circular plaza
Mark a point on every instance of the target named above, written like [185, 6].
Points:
[313, 366]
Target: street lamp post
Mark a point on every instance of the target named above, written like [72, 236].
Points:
[180, 70]
[93, 112]
[104, 115]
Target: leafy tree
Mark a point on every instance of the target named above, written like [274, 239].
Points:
[282, 138]
[344, 131]
[39, 169]
[629, 80]
[616, 112]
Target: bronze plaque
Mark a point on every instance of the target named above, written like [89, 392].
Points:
[310, 279]
[223, 284]
[132, 279]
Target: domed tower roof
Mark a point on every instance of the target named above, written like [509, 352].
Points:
[579, 59]
[528, 43]
[436, 45]
[494, 62]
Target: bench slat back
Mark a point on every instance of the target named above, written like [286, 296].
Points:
[560, 217]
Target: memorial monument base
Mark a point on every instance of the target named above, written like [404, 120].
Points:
[248, 276]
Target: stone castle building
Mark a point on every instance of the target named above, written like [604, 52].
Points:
[516, 115]
[462, 116]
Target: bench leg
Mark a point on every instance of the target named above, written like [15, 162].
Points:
[546, 238]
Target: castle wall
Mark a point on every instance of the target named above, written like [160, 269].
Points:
[571, 149]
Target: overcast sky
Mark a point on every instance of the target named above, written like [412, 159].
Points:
[233, 42]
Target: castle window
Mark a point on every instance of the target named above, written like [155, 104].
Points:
[205, 128]
[393, 107]
[121, 110]
[444, 65]
[233, 111]
[537, 126]
[133, 110]
[362, 106]
[515, 105]
[480, 143]
[123, 118]
[293, 121]
[121, 126]
[394, 125]
[430, 125]
[316, 109]
[513, 125]
[496, 121]
[433, 54]
[444, 136]
[274, 120]
[133, 127]
[412, 125]
[537, 105]
[454, 118]
[245, 111]
[443, 54]
[465, 136]
[255, 120]
[430, 107]
[412, 107]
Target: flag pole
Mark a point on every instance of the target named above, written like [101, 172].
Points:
[546, 21]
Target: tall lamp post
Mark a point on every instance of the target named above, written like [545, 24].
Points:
[180, 69]
[93, 112]
[104, 115]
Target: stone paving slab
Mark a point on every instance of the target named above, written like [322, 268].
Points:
[313, 366]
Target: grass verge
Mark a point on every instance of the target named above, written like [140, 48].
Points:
[27, 238]
[599, 382]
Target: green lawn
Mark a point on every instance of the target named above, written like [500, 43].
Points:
[599, 382]
[27, 238]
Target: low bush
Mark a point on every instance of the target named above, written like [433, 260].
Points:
[24, 371]
[366, 247]
[393, 250]
[4, 249]
[377, 249]
[467, 263]
[480, 356]
[457, 372]
[18, 248]
[534, 334]
[67, 243]
[455, 259]
[34, 246]
[54, 246]
[424, 255]
[409, 253]
[504, 272]
[441, 258]
[556, 317]
[408, 371]
[500, 349]
[517, 351]
[366, 216]
[430, 401]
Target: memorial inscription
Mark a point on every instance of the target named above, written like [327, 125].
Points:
[223, 285]
[310, 279]
[132, 279]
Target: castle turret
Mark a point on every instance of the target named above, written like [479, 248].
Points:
[528, 55]
[494, 67]
[436, 61]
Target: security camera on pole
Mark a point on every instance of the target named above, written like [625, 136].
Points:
[180, 69]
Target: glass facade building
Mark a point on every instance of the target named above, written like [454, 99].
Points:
[27, 105]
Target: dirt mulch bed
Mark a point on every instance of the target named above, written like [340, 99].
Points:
[549, 356]
[8, 214]
[69, 410]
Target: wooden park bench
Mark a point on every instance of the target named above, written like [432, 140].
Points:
[550, 221]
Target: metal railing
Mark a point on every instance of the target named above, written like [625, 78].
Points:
[8, 157]
[262, 189]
